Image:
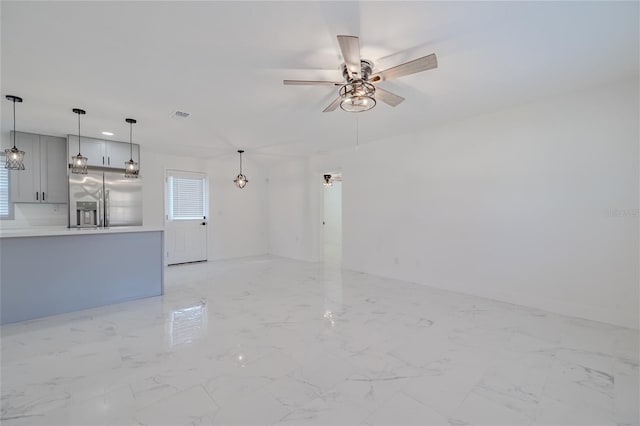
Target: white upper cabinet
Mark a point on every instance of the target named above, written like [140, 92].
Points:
[44, 179]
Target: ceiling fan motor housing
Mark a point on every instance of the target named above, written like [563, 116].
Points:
[366, 67]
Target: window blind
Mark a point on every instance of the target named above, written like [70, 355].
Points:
[187, 198]
[4, 190]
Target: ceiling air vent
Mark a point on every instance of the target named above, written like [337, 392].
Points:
[181, 114]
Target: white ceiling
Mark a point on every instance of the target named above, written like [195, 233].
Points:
[224, 62]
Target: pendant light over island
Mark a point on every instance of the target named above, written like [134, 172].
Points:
[79, 162]
[131, 168]
[14, 158]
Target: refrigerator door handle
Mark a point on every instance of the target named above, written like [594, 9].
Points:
[100, 210]
[106, 208]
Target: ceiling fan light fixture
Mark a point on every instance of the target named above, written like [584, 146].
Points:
[357, 93]
[357, 96]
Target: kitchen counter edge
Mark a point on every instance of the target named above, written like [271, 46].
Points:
[54, 232]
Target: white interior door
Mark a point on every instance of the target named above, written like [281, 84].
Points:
[186, 217]
[332, 222]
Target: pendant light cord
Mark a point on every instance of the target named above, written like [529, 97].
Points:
[14, 124]
[240, 163]
[79, 154]
[131, 142]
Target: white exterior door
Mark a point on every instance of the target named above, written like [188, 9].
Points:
[186, 217]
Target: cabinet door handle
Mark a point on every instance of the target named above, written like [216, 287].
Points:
[37, 195]
[103, 159]
[109, 161]
[42, 195]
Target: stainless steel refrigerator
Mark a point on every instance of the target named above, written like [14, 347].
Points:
[104, 199]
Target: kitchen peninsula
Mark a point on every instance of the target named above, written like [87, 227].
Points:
[53, 271]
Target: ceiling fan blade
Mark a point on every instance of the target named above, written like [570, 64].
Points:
[312, 83]
[425, 63]
[333, 105]
[350, 47]
[388, 97]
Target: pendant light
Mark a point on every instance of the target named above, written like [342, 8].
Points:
[327, 180]
[14, 157]
[241, 180]
[131, 168]
[78, 162]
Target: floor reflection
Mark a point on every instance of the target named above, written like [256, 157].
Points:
[188, 324]
[332, 278]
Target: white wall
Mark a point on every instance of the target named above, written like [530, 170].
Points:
[294, 208]
[536, 205]
[238, 218]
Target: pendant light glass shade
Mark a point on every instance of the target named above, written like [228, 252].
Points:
[79, 162]
[241, 180]
[14, 158]
[131, 168]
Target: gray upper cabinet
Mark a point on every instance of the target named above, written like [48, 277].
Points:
[53, 177]
[25, 184]
[44, 179]
[91, 148]
[119, 152]
[101, 153]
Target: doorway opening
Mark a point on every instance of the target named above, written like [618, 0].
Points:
[332, 218]
[187, 205]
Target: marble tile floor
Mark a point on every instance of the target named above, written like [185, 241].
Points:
[271, 341]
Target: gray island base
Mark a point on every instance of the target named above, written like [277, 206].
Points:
[75, 270]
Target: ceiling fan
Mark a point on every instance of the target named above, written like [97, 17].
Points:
[357, 92]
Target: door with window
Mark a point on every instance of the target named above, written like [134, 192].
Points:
[186, 217]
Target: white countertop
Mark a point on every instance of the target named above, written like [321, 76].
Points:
[58, 231]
